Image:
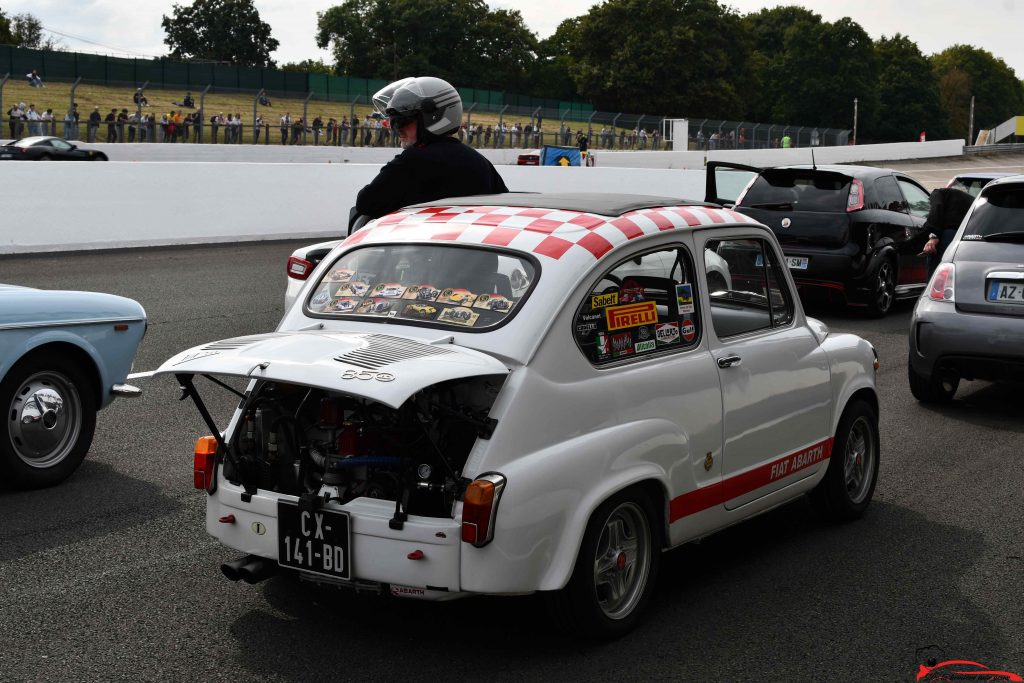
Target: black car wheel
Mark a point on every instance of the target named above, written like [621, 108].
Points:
[845, 491]
[99, 156]
[615, 571]
[883, 288]
[45, 157]
[939, 387]
[49, 420]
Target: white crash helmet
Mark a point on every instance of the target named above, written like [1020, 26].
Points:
[434, 102]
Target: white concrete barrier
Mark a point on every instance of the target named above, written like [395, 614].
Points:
[66, 206]
[616, 159]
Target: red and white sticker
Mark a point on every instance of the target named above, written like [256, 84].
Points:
[667, 333]
[688, 330]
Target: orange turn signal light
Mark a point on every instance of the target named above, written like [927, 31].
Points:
[204, 462]
[479, 505]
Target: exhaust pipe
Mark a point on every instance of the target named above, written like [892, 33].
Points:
[256, 569]
[231, 569]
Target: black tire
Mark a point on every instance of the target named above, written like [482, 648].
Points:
[588, 607]
[49, 408]
[883, 289]
[45, 157]
[939, 387]
[99, 157]
[849, 482]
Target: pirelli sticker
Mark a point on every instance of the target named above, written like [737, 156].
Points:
[631, 315]
[603, 300]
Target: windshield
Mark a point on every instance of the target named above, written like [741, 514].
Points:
[999, 212]
[445, 286]
[797, 190]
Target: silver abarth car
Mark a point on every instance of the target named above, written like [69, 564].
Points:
[969, 323]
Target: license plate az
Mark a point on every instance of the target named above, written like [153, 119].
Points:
[1011, 292]
[797, 262]
[318, 541]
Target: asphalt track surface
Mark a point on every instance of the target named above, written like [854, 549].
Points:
[111, 575]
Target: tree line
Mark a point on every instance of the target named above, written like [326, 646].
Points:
[692, 58]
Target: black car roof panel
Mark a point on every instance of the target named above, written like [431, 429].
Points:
[602, 204]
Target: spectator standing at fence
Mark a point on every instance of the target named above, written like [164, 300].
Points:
[93, 125]
[656, 140]
[742, 139]
[133, 124]
[69, 120]
[14, 120]
[197, 125]
[298, 126]
[286, 125]
[343, 131]
[239, 128]
[184, 123]
[329, 130]
[367, 128]
[47, 120]
[34, 80]
[32, 116]
[256, 126]
[787, 141]
[318, 126]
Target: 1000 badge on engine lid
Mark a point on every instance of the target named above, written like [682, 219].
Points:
[317, 541]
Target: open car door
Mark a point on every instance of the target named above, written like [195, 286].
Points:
[726, 181]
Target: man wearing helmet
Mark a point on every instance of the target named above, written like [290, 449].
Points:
[424, 113]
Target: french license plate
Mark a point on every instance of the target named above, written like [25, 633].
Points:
[1009, 292]
[797, 262]
[318, 542]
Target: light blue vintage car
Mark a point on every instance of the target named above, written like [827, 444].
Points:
[63, 356]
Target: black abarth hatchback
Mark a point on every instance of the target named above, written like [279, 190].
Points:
[853, 232]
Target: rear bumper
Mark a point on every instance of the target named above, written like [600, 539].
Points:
[841, 270]
[977, 346]
[379, 554]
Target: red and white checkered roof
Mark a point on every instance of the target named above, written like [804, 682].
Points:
[553, 233]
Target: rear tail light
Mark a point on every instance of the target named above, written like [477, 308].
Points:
[942, 284]
[855, 200]
[204, 463]
[299, 268]
[479, 505]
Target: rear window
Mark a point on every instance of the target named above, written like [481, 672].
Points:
[443, 286]
[999, 212]
[789, 190]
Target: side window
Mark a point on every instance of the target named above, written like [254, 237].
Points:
[916, 198]
[757, 296]
[887, 195]
[644, 305]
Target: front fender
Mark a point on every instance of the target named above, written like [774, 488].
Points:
[852, 360]
[551, 495]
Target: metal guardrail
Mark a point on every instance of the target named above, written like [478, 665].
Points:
[1002, 147]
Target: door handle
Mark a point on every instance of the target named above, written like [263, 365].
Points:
[729, 361]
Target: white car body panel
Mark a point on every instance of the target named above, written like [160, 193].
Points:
[569, 434]
[334, 361]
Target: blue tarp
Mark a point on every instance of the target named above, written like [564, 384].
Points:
[551, 155]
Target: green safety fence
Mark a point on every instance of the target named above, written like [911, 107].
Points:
[166, 73]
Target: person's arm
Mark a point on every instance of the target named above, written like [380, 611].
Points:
[390, 190]
[933, 222]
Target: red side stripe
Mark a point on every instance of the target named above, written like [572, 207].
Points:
[741, 484]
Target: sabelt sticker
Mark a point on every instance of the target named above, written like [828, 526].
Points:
[389, 289]
[375, 306]
[604, 348]
[339, 275]
[604, 300]
[640, 347]
[493, 302]
[684, 298]
[422, 293]
[342, 305]
[622, 344]
[353, 288]
[689, 330]
[459, 297]
[667, 333]
[419, 311]
[459, 316]
[632, 315]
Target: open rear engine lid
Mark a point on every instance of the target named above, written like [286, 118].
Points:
[384, 368]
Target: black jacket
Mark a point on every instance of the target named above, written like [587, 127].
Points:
[947, 208]
[423, 173]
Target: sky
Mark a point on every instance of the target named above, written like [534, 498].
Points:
[132, 27]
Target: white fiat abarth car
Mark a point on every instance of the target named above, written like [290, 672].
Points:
[423, 425]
